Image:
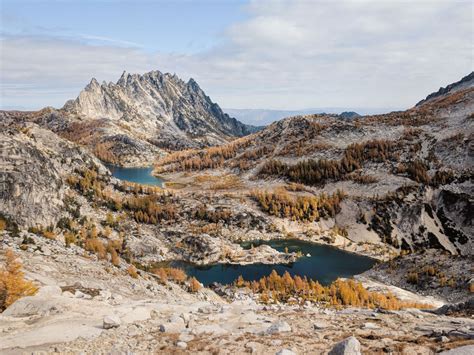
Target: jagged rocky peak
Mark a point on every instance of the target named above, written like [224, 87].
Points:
[94, 84]
[160, 105]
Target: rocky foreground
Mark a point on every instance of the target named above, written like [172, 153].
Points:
[85, 306]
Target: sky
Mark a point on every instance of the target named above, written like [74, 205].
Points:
[271, 54]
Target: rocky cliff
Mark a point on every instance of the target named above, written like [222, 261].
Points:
[162, 107]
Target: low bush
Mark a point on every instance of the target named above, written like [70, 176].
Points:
[132, 271]
[170, 273]
[194, 285]
[12, 282]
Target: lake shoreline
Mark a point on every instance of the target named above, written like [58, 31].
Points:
[139, 175]
[324, 264]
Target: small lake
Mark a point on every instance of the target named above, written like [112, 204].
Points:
[137, 175]
[325, 264]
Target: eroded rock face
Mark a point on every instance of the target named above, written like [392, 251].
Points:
[31, 187]
[34, 164]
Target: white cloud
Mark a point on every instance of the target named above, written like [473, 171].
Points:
[288, 54]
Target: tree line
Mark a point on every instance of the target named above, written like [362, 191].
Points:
[290, 289]
[315, 172]
[299, 208]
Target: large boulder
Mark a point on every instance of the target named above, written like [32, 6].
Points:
[111, 321]
[348, 346]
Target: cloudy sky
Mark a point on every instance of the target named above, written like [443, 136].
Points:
[275, 54]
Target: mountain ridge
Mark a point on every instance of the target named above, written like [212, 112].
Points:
[465, 82]
[160, 97]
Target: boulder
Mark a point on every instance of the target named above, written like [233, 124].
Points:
[111, 321]
[349, 346]
[33, 306]
[172, 327]
[278, 327]
[370, 325]
[213, 329]
[319, 325]
[49, 291]
[181, 344]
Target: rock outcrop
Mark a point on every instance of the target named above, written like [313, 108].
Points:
[34, 165]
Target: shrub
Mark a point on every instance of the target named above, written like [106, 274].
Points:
[96, 246]
[413, 278]
[212, 216]
[48, 234]
[170, 273]
[3, 224]
[161, 273]
[45, 232]
[70, 238]
[12, 283]
[209, 158]
[416, 170]
[132, 271]
[315, 172]
[114, 258]
[194, 285]
[177, 275]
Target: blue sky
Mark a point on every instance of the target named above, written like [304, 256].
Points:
[170, 26]
[280, 54]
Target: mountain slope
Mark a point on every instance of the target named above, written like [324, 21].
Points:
[407, 175]
[464, 83]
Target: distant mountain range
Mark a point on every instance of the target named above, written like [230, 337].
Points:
[263, 117]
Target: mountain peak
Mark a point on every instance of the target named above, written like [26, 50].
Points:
[161, 107]
[93, 84]
[123, 78]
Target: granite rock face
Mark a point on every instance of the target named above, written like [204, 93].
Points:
[165, 109]
[34, 165]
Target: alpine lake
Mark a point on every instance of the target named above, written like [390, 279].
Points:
[319, 262]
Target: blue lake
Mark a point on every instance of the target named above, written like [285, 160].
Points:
[325, 264]
[137, 175]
